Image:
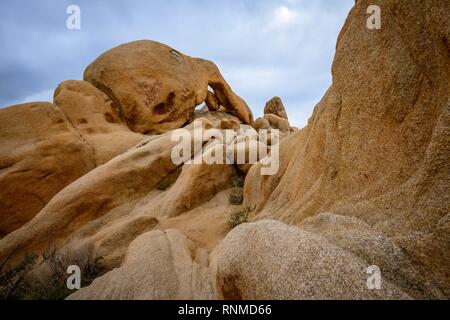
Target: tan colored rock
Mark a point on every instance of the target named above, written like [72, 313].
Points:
[230, 124]
[276, 122]
[270, 260]
[110, 235]
[159, 265]
[376, 154]
[358, 237]
[261, 123]
[206, 225]
[40, 154]
[118, 183]
[275, 106]
[247, 131]
[96, 118]
[212, 102]
[251, 149]
[157, 88]
[197, 184]
[215, 118]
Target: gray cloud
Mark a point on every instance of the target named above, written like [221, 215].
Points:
[263, 48]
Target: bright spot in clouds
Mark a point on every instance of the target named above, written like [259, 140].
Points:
[284, 16]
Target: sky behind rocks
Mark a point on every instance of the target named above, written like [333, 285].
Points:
[263, 48]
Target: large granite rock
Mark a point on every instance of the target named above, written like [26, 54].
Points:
[157, 88]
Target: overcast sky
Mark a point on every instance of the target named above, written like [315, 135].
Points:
[263, 48]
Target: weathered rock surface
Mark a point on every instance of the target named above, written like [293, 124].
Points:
[117, 183]
[270, 260]
[373, 246]
[365, 183]
[279, 123]
[276, 107]
[212, 102]
[159, 265]
[96, 118]
[379, 155]
[157, 88]
[40, 154]
[197, 183]
[261, 123]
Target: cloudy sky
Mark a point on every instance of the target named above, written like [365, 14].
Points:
[263, 48]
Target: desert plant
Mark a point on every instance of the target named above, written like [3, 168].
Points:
[13, 279]
[22, 281]
[238, 217]
[237, 181]
[55, 287]
[236, 196]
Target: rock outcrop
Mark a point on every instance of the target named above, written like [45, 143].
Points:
[157, 88]
[160, 265]
[275, 106]
[102, 191]
[376, 146]
[364, 184]
[270, 260]
[96, 118]
[40, 154]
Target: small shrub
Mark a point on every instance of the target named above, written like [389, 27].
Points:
[236, 196]
[13, 280]
[23, 283]
[238, 217]
[55, 288]
[237, 181]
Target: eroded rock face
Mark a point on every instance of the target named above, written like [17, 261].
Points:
[96, 118]
[159, 265]
[278, 123]
[276, 107]
[40, 154]
[376, 154]
[212, 102]
[117, 183]
[374, 158]
[157, 88]
[197, 183]
[356, 236]
[270, 260]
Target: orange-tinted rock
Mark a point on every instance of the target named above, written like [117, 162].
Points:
[96, 118]
[157, 88]
[40, 154]
[275, 106]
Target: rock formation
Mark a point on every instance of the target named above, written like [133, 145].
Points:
[156, 88]
[376, 146]
[364, 184]
[275, 106]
